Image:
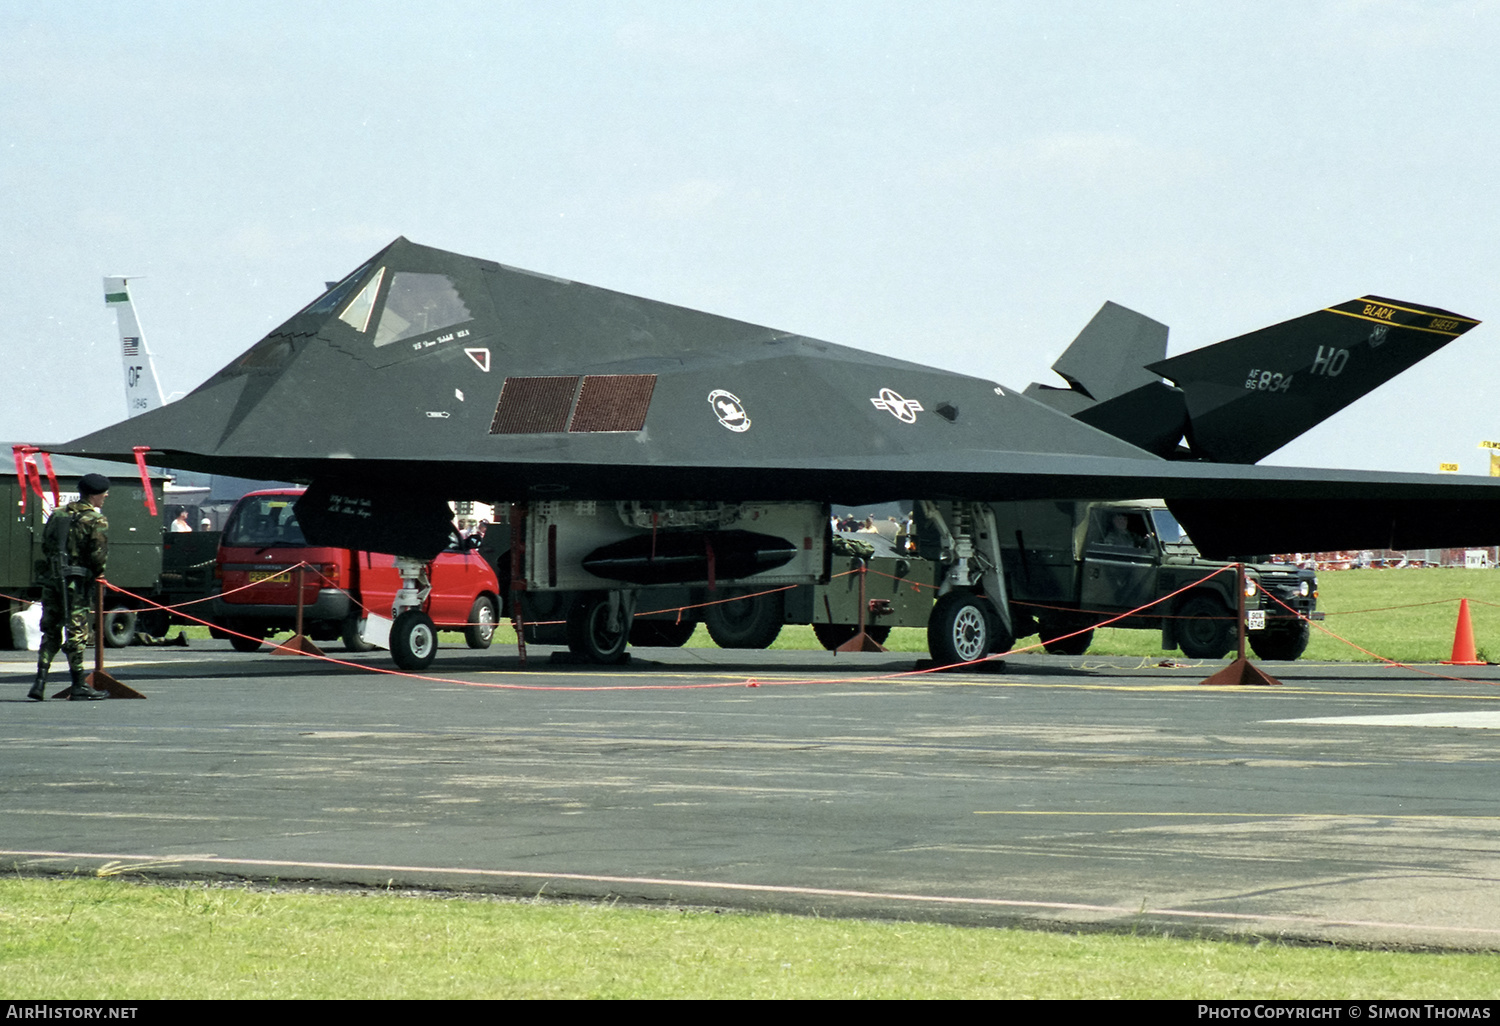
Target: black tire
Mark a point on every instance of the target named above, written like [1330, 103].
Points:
[661, 633]
[961, 629]
[751, 622]
[243, 644]
[414, 641]
[350, 635]
[832, 635]
[481, 629]
[1052, 630]
[589, 634]
[1279, 642]
[1206, 628]
[119, 628]
[155, 622]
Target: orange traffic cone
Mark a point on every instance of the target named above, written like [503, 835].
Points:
[1463, 640]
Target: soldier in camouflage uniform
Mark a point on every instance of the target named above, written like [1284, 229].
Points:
[68, 589]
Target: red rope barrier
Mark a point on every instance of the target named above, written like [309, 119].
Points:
[1376, 656]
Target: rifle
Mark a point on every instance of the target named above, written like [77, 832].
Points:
[61, 569]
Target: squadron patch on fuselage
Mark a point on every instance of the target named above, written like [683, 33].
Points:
[730, 411]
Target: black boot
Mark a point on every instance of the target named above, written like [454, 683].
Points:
[39, 686]
[80, 691]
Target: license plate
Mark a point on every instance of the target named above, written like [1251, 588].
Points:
[256, 576]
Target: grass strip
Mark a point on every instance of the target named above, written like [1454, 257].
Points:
[113, 939]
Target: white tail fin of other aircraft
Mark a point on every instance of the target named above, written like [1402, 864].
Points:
[142, 390]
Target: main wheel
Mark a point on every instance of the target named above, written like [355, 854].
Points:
[1052, 630]
[243, 644]
[1281, 642]
[350, 634]
[590, 634]
[959, 630]
[413, 640]
[750, 622]
[1205, 629]
[661, 633]
[481, 628]
[119, 628]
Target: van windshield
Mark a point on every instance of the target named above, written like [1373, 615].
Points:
[264, 520]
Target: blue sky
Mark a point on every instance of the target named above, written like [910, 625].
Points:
[958, 183]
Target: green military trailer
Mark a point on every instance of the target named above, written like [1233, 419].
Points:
[898, 591]
[135, 540]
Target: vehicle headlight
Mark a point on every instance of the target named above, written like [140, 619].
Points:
[1305, 589]
[1249, 587]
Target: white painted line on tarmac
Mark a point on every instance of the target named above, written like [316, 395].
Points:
[1482, 719]
[115, 864]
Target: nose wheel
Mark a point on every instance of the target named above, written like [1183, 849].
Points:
[413, 640]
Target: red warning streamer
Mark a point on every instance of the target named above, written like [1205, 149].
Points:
[26, 472]
[140, 462]
[51, 479]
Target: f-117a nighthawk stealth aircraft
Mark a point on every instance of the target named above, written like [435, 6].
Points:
[645, 446]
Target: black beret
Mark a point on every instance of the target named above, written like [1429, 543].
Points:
[93, 484]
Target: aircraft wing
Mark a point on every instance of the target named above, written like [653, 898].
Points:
[429, 372]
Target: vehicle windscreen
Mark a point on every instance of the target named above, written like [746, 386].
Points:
[264, 520]
[1168, 529]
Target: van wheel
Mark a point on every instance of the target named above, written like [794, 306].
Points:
[243, 644]
[751, 622]
[351, 635]
[1205, 627]
[589, 632]
[413, 640]
[481, 628]
[119, 628]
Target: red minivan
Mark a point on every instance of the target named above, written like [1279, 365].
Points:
[339, 587]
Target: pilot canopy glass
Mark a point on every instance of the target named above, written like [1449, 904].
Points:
[419, 303]
[416, 303]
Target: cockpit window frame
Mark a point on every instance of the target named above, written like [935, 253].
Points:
[329, 301]
[357, 313]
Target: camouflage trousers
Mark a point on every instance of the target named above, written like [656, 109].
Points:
[65, 626]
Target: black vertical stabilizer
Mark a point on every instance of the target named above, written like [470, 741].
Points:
[1110, 385]
[1250, 395]
[1110, 355]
